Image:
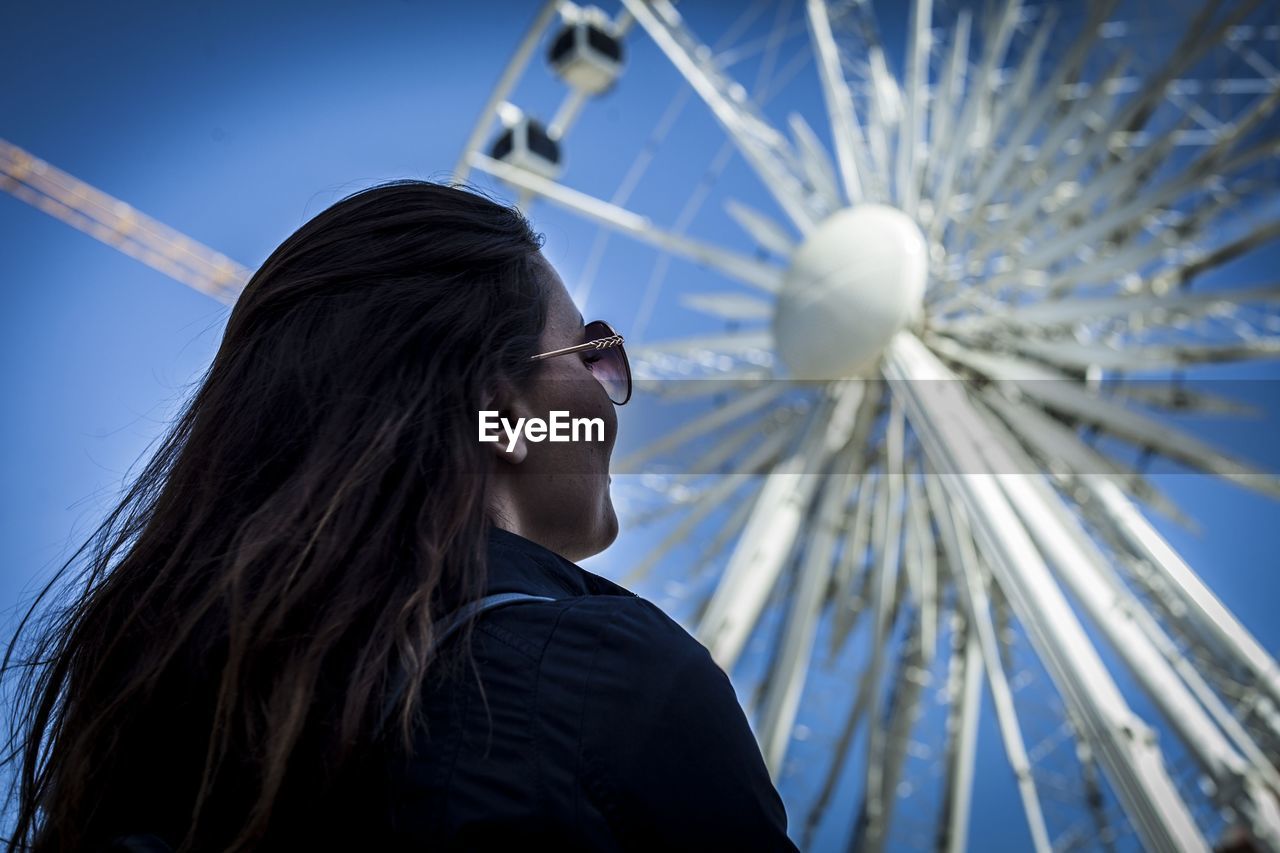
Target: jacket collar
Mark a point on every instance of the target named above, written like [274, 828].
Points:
[517, 564]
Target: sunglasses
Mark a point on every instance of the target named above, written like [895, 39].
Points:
[608, 361]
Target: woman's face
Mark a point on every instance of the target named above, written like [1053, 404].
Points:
[558, 494]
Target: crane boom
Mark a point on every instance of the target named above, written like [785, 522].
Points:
[120, 225]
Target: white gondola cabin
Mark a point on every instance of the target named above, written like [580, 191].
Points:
[587, 53]
[525, 143]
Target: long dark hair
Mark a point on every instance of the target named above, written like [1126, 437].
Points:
[317, 505]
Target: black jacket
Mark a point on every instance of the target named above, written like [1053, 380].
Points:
[603, 725]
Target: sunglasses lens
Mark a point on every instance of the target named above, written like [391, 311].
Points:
[610, 366]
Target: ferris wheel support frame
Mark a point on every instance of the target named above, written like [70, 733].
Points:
[971, 589]
[506, 82]
[965, 702]
[787, 677]
[772, 528]
[1125, 744]
[1241, 780]
[846, 134]
[1204, 607]
[763, 147]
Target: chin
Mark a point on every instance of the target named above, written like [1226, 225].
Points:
[608, 529]
[611, 526]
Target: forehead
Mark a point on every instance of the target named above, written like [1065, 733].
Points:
[562, 310]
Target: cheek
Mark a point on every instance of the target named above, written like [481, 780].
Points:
[593, 402]
[610, 416]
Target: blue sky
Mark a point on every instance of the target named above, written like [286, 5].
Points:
[236, 122]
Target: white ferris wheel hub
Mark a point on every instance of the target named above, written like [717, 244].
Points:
[856, 280]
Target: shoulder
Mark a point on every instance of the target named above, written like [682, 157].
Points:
[626, 625]
[630, 664]
[646, 680]
[630, 631]
[647, 673]
[666, 750]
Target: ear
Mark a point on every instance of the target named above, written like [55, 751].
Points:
[511, 407]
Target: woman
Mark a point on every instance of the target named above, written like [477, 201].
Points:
[232, 672]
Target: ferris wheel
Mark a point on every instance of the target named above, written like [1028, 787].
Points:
[988, 279]
[971, 282]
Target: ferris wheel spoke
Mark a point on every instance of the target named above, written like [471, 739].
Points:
[785, 680]
[1090, 778]
[964, 703]
[688, 489]
[1177, 398]
[848, 600]
[942, 115]
[1119, 178]
[854, 573]
[640, 165]
[1070, 355]
[1201, 263]
[884, 583]
[567, 113]
[764, 148]
[911, 135]
[900, 712]
[971, 592]
[771, 432]
[763, 276]
[1194, 228]
[922, 553]
[770, 534]
[1119, 258]
[1141, 307]
[1031, 110]
[847, 139]
[1205, 608]
[1197, 41]
[728, 306]
[856, 529]
[1211, 161]
[765, 88]
[912, 569]
[713, 499]
[767, 233]
[1139, 641]
[728, 531]
[1265, 783]
[702, 425]
[1017, 98]
[719, 382]
[1059, 393]
[1058, 446]
[999, 32]
[1134, 765]
[817, 165]
[1030, 195]
[731, 343]
[884, 103]
[841, 753]
[1255, 60]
